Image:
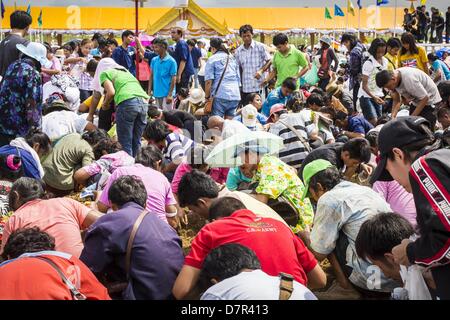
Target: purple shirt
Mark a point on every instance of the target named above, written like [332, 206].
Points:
[400, 200]
[156, 257]
[159, 192]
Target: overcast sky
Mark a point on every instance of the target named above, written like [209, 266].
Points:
[442, 4]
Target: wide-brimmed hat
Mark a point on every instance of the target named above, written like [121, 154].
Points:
[36, 51]
[326, 40]
[55, 103]
[196, 96]
[333, 88]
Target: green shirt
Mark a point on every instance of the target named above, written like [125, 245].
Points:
[68, 155]
[289, 65]
[126, 85]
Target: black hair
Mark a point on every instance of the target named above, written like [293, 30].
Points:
[197, 156]
[350, 37]
[161, 42]
[106, 145]
[48, 47]
[217, 44]
[432, 57]
[97, 36]
[377, 43]
[296, 103]
[290, 83]
[149, 156]
[229, 260]
[394, 43]
[318, 91]
[251, 97]
[127, 33]
[329, 110]
[94, 137]
[444, 90]
[67, 47]
[358, 149]
[191, 43]
[443, 111]
[92, 65]
[73, 44]
[8, 172]
[153, 111]
[372, 138]
[383, 119]
[280, 38]
[409, 38]
[24, 190]
[316, 99]
[128, 189]
[224, 207]
[328, 179]
[195, 185]
[112, 41]
[245, 28]
[340, 115]
[417, 146]
[184, 92]
[20, 20]
[27, 240]
[34, 136]
[383, 77]
[380, 234]
[156, 130]
[83, 43]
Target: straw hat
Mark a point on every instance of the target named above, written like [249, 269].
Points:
[196, 96]
[333, 88]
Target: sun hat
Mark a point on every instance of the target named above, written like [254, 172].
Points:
[310, 170]
[196, 96]
[36, 51]
[326, 40]
[252, 147]
[55, 103]
[249, 114]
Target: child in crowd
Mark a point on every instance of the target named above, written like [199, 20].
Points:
[56, 65]
[79, 69]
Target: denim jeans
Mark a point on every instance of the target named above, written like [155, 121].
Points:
[224, 107]
[131, 118]
[370, 108]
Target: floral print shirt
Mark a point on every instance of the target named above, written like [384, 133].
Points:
[20, 99]
[276, 179]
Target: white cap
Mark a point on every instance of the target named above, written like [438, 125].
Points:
[249, 113]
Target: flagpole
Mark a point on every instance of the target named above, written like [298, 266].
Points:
[359, 22]
[395, 18]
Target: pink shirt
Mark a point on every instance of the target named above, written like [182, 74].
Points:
[159, 192]
[56, 65]
[218, 174]
[109, 162]
[61, 218]
[400, 200]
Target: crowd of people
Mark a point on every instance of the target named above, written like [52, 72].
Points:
[426, 27]
[329, 157]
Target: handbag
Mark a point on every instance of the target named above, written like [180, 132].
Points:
[209, 104]
[115, 288]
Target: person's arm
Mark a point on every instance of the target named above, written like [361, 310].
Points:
[96, 96]
[317, 278]
[396, 103]
[91, 217]
[181, 70]
[50, 71]
[305, 64]
[33, 96]
[172, 217]
[81, 176]
[150, 83]
[336, 61]
[352, 135]
[264, 68]
[173, 81]
[141, 49]
[185, 282]
[109, 94]
[420, 106]
[73, 60]
[261, 198]
[208, 85]
[271, 75]
[365, 85]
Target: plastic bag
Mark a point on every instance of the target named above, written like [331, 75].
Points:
[414, 283]
[311, 76]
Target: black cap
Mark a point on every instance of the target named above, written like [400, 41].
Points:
[397, 133]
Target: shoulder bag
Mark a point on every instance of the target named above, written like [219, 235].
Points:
[298, 134]
[209, 104]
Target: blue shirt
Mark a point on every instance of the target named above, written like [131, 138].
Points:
[196, 54]
[259, 116]
[440, 65]
[163, 72]
[229, 88]
[275, 96]
[182, 53]
[156, 257]
[235, 177]
[30, 167]
[126, 58]
[359, 124]
[96, 52]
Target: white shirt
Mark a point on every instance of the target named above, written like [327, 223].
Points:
[232, 127]
[254, 285]
[370, 68]
[60, 123]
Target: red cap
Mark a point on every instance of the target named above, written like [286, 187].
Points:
[276, 108]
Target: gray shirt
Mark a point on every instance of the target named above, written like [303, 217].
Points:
[416, 85]
[9, 52]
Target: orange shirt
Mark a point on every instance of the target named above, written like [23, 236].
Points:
[28, 278]
[61, 218]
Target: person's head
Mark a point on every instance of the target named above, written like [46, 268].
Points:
[325, 42]
[378, 236]
[27, 240]
[227, 261]
[288, 86]
[432, 57]
[68, 50]
[400, 142]
[355, 151]
[154, 112]
[372, 138]
[349, 41]
[23, 191]
[276, 111]
[314, 102]
[160, 46]
[74, 44]
[393, 46]
[191, 44]
[215, 122]
[341, 119]
[91, 67]
[377, 48]
[112, 44]
[217, 45]
[85, 48]
[444, 91]
[387, 79]
[94, 137]
[156, 132]
[96, 39]
[20, 20]
[127, 189]
[39, 141]
[127, 37]
[443, 116]
[200, 44]
[409, 44]
[11, 167]
[250, 155]
[406, 10]
[224, 207]
[50, 53]
[328, 112]
[104, 147]
[319, 177]
[150, 156]
[197, 190]
[383, 119]
[176, 34]
[281, 41]
[196, 158]
[246, 33]
[183, 94]
[255, 100]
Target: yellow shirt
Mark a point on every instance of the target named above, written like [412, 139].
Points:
[392, 61]
[417, 60]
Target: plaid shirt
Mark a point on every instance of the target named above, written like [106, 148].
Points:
[250, 61]
[86, 81]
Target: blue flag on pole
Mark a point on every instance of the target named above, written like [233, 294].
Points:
[29, 9]
[381, 2]
[338, 11]
[359, 4]
[3, 10]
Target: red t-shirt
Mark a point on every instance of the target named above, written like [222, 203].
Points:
[276, 246]
[28, 278]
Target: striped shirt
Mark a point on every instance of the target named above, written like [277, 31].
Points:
[177, 146]
[294, 151]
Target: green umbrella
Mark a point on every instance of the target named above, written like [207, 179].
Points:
[224, 154]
